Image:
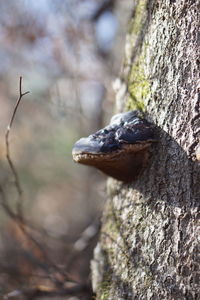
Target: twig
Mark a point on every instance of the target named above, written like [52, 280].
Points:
[44, 291]
[23, 225]
[4, 203]
[21, 221]
[81, 244]
[8, 156]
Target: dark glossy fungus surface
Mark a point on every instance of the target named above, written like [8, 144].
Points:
[125, 128]
[120, 149]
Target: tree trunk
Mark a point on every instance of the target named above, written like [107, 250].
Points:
[148, 247]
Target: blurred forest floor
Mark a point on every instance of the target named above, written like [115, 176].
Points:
[68, 53]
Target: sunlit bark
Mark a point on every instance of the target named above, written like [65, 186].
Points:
[148, 247]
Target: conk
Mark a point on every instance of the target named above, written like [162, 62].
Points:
[121, 149]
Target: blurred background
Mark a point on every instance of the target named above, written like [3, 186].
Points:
[68, 52]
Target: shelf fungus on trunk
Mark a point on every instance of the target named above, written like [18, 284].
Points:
[121, 149]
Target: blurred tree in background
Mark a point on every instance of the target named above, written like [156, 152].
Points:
[68, 52]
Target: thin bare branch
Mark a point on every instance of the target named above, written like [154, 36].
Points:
[8, 156]
[44, 291]
[5, 205]
[48, 266]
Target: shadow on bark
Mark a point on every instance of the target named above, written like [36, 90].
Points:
[172, 175]
[170, 182]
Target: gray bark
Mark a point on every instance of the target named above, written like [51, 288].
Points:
[148, 247]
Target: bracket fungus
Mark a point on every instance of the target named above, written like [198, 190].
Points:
[121, 149]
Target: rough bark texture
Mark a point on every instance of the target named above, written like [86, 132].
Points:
[148, 248]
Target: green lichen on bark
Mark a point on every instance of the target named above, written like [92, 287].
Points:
[139, 17]
[138, 83]
[104, 288]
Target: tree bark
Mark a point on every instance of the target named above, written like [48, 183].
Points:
[148, 247]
